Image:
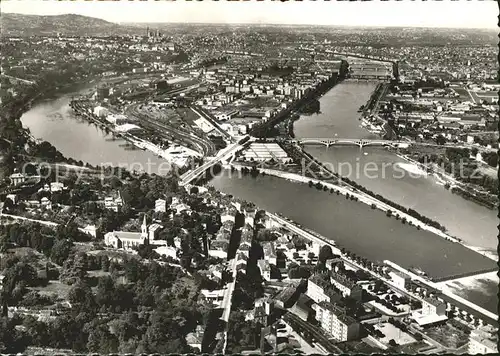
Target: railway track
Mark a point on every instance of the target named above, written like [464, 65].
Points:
[206, 147]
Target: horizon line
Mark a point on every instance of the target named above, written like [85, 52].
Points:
[255, 23]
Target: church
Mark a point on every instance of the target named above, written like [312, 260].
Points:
[130, 240]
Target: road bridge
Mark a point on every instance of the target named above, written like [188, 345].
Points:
[350, 141]
[224, 154]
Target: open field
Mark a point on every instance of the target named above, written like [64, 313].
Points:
[54, 287]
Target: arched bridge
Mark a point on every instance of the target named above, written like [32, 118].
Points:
[350, 141]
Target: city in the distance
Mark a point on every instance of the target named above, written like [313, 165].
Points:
[247, 188]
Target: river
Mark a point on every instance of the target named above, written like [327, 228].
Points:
[351, 224]
[384, 173]
[54, 121]
[472, 223]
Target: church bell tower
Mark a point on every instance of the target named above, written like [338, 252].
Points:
[144, 228]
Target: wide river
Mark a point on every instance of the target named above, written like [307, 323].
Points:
[54, 121]
[369, 233]
[350, 224]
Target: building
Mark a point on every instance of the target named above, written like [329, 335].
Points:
[167, 251]
[265, 152]
[229, 215]
[433, 311]
[431, 306]
[482, 342]
[102, 92]
[195, 338]
[214, 296]
[46, 203]
[90, 230]
[319, 289]
[335, 322]
[287, 297]
[12, 197]
[303, 307]
[246, 240]
[154, 231]
[57, 187]
[160, 205]
[265, 269]
[269, 252]
[347, 287]
[101, 111]
[241, 262]
[218, 248]
[127, 240]
[114, 204]
[400, 279]
[332, 262]
[17, 178]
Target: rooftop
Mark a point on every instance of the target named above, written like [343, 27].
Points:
[343, 279]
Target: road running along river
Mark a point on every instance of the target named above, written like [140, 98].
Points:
[54, 121]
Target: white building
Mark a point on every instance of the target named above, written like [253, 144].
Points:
[90, 230]
[481, 342]
[17, 178]
[316, 289]
[113, 203]
[130, 240]
[261, 152]
[214, 296]
[335, 322]
[46, 203]
[400, 279]
[161, 205]
[433, 311]
[101, 111]
[167, 251]
[269, 252]
[431, 306]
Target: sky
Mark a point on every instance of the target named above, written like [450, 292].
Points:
[447, 13]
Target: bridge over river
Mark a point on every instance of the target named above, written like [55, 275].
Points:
[351, 141]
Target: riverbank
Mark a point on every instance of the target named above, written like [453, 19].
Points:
[368, 200]
[174, 154]
[261, 130]
[451, 183]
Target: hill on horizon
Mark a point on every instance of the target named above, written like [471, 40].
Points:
[68, 24]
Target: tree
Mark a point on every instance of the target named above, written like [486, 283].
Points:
[60, 251]
[440, 140]
[82, 298]
[266, 235]
[100, 339]
[325, 253]
[11, 340]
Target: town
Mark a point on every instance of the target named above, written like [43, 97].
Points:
[147, 259]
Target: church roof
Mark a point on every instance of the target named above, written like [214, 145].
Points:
[125, 235]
